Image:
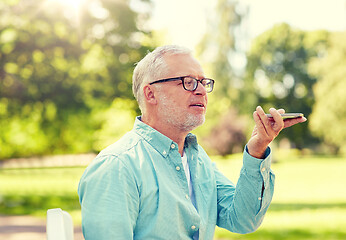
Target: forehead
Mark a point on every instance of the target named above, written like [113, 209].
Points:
[182, 65]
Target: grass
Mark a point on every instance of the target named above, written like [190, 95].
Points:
[309, 200]
[33, 191]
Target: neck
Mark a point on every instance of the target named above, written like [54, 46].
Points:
[177, 135]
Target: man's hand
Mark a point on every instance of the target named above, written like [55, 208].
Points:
[267, 129]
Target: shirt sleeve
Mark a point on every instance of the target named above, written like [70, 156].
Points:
[241, 208]
[109, 199]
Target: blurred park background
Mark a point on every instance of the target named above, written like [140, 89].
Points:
[65, 94]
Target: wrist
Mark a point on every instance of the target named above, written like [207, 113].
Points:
[256, 153]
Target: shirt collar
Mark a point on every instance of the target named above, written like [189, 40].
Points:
[191, 140]
[157, 140]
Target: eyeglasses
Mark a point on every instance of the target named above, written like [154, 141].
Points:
[190, 83]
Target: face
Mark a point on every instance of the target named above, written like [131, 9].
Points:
[177, 107]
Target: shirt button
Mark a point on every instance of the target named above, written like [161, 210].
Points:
[260, 198]
[263, 169]
[193, 227]
[187, 196]
[164, 152]
[177, 168]
[172, 146]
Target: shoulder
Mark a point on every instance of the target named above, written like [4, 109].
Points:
[131, 153]
[120, 147]
[117, 156]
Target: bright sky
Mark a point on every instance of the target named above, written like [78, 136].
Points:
[186, 20]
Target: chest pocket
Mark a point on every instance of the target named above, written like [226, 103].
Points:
[208, 191]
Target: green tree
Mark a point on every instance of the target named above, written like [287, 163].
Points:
[328, 116]
[220, 44]
[277, 76]
[217, 50]
[59, 67]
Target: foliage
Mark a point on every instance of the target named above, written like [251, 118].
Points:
[277, 76]
[218, 48]
[216, 51]
[329, 114]
[58, 66]
[228, 136]
[115, 122]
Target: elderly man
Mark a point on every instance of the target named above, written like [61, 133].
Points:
[156, 182]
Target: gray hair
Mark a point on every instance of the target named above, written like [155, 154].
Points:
[152, 67]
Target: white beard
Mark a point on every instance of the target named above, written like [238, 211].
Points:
[178, 117]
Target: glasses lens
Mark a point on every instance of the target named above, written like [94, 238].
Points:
[208, 84]
[190, 83]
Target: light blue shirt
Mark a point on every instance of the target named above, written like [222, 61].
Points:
[137, 189]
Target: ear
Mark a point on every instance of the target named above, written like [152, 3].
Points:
[149, 95]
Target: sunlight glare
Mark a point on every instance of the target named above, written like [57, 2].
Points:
[71, 8]
[73, 4]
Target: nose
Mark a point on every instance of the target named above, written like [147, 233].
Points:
[200, 90]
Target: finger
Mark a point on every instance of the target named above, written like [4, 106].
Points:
[293, 121]
[262, 115]
[264, 119]
[259, 124]
[278, 121]
[281, 111]
[270, 125]
[275, 114]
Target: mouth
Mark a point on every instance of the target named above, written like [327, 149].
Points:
[201, 105]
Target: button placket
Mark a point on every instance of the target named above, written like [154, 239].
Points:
[179, 169]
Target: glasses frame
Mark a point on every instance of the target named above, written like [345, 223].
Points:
[182, 80]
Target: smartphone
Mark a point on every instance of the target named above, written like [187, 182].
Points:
[288, 115]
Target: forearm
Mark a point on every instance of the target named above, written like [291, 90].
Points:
[251, 198]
